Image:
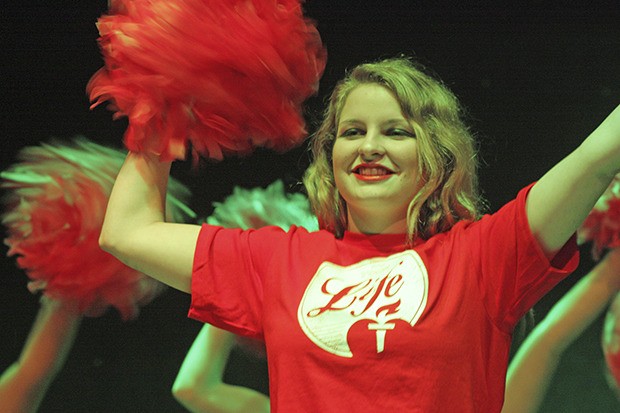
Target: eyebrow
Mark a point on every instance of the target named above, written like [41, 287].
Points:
[395, 121]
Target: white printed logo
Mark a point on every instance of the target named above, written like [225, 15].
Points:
[383, 289]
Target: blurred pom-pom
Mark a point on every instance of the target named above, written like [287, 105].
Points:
[219, 76]
[259, 207]
[54, 203]
[611, 340]
[602, 226]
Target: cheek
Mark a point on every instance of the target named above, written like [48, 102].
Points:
[414, 165]
[339, 157]
[407, 158]
[411, 166]
[338, 169]
[340, 166]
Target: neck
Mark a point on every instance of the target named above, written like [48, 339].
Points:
[383, 222]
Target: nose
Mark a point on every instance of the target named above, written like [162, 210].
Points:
[371, 147]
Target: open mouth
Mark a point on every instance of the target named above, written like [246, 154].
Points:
[372, 172]
[375, 170]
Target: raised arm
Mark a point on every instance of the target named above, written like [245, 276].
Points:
[532, 368]
[559, 202]
[135, 231]
[24, 384]
[199, 386]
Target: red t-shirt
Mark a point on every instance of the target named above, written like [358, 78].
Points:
[365, 324]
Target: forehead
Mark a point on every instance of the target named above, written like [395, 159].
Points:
[370, 100]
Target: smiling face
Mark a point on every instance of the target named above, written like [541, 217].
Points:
[375, 160]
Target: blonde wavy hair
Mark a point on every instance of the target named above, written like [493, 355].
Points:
[447, 154]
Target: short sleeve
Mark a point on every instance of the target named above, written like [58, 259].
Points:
[515, 272]
[227, 277]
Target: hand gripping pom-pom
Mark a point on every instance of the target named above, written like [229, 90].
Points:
[602, 225]
[221, 76]
[54, 204]
[611, 340]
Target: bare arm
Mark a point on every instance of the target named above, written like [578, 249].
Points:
[532, 368]
[135, 231]
[199, 386]
[24, 384]
[560, 201]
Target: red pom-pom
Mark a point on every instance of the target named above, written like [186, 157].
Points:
[223, 75]
[602, 225]
[611, 340]
[54, 207]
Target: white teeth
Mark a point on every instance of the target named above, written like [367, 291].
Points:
[371, 171]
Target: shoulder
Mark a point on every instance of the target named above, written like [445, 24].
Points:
[509, 215]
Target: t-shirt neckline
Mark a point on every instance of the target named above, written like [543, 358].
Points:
[382, 242]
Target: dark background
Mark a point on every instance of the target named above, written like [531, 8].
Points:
[536, 81]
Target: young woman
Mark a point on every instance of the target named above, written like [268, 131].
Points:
[406, 299]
